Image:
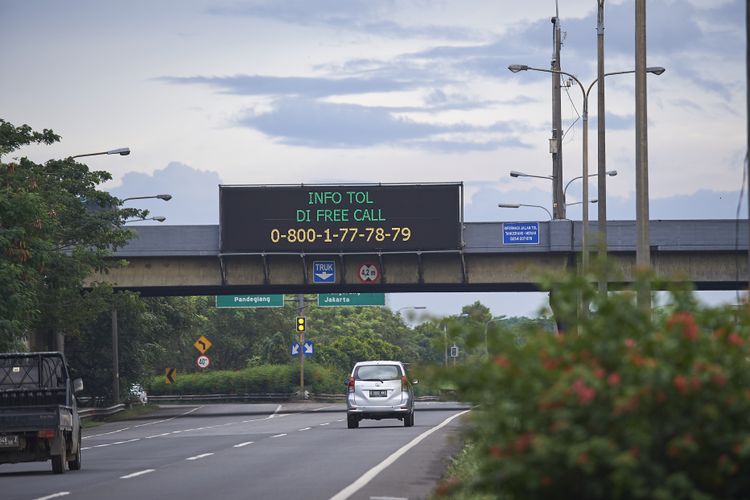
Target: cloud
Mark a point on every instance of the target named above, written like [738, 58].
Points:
[319, 124]
[195, 193]
[703, 204]
[361, 16]
[294, 86]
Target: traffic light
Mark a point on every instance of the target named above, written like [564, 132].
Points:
[300, 324]
[454, 351]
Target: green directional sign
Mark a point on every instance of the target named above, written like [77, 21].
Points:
[225, 301]
[351, 299]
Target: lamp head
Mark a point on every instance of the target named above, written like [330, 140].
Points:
[119, 151]
[657, 70]
[159, 218]
[509, 205]
[611, 173]
[515, 68]
[515, 173]
[165, 197]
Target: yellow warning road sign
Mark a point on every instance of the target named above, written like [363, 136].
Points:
[170, 373]
[202, 344]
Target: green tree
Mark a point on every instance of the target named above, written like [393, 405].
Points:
[56, 229]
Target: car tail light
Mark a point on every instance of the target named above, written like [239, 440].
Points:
[404, 384]
[351, 384]
[46, 433]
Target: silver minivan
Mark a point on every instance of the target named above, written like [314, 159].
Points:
[379, 389]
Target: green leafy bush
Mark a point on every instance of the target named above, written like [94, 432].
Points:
[622, 405]
[252, 380]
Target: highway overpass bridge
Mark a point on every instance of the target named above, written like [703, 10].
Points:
[187, 260]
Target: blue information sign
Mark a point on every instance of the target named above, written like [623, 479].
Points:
[308, 348]
[520, 233]
[324, 271]
[295, 349]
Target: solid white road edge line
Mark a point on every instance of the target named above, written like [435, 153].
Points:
[136, 474]
[169, 419]
[54, 495]
[278, 409]
[369, 475]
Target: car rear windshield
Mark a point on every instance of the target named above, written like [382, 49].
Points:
[378, 372]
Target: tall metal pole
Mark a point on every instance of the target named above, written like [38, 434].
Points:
[642, 250]
[301, 312]
[558, 197]
[585, 194]
[115, 359]
[747, 151]
[445, 344]
[601, 157]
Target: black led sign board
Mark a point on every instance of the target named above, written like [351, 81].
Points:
[340, 218]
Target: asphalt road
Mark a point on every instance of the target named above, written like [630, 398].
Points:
[250, 451]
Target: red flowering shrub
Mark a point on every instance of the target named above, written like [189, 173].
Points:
[623, 405]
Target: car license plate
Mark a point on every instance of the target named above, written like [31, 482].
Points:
[8, 441]
[378, 394]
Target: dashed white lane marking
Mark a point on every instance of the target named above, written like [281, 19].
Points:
[158, 435]
[325, 423]
[197, 457]
[136, 474]
[104, 445]
[304, 429]
[128, 441]
[369, 475]
[54, 495]
[105, 433]
[240, 445]
[278, 436]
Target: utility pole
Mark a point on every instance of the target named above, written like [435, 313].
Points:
[301, 313]
[642, 249]
[115, 358]
[601, 158]
[558, 200]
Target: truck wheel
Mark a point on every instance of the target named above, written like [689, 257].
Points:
[58, 464]
[75, 464]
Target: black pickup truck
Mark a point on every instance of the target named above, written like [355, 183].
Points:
[38, 412]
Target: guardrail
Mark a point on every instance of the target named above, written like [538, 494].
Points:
[100, 412]
[277, 396]
[85, 413]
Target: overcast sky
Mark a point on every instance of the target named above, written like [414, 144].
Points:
[305, 91]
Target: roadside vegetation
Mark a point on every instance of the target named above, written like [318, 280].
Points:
[622, 404]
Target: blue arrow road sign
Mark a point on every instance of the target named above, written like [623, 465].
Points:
[308, 348]
[295, 349]
[324, 271]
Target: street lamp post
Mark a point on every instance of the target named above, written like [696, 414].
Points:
[118, 151]
[157, 218]
[115, 340]
[516, 173]
[515, 68]
[519, 205]
[610, 173]
[165, 197]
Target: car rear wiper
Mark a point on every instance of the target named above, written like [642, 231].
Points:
[371, 380]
